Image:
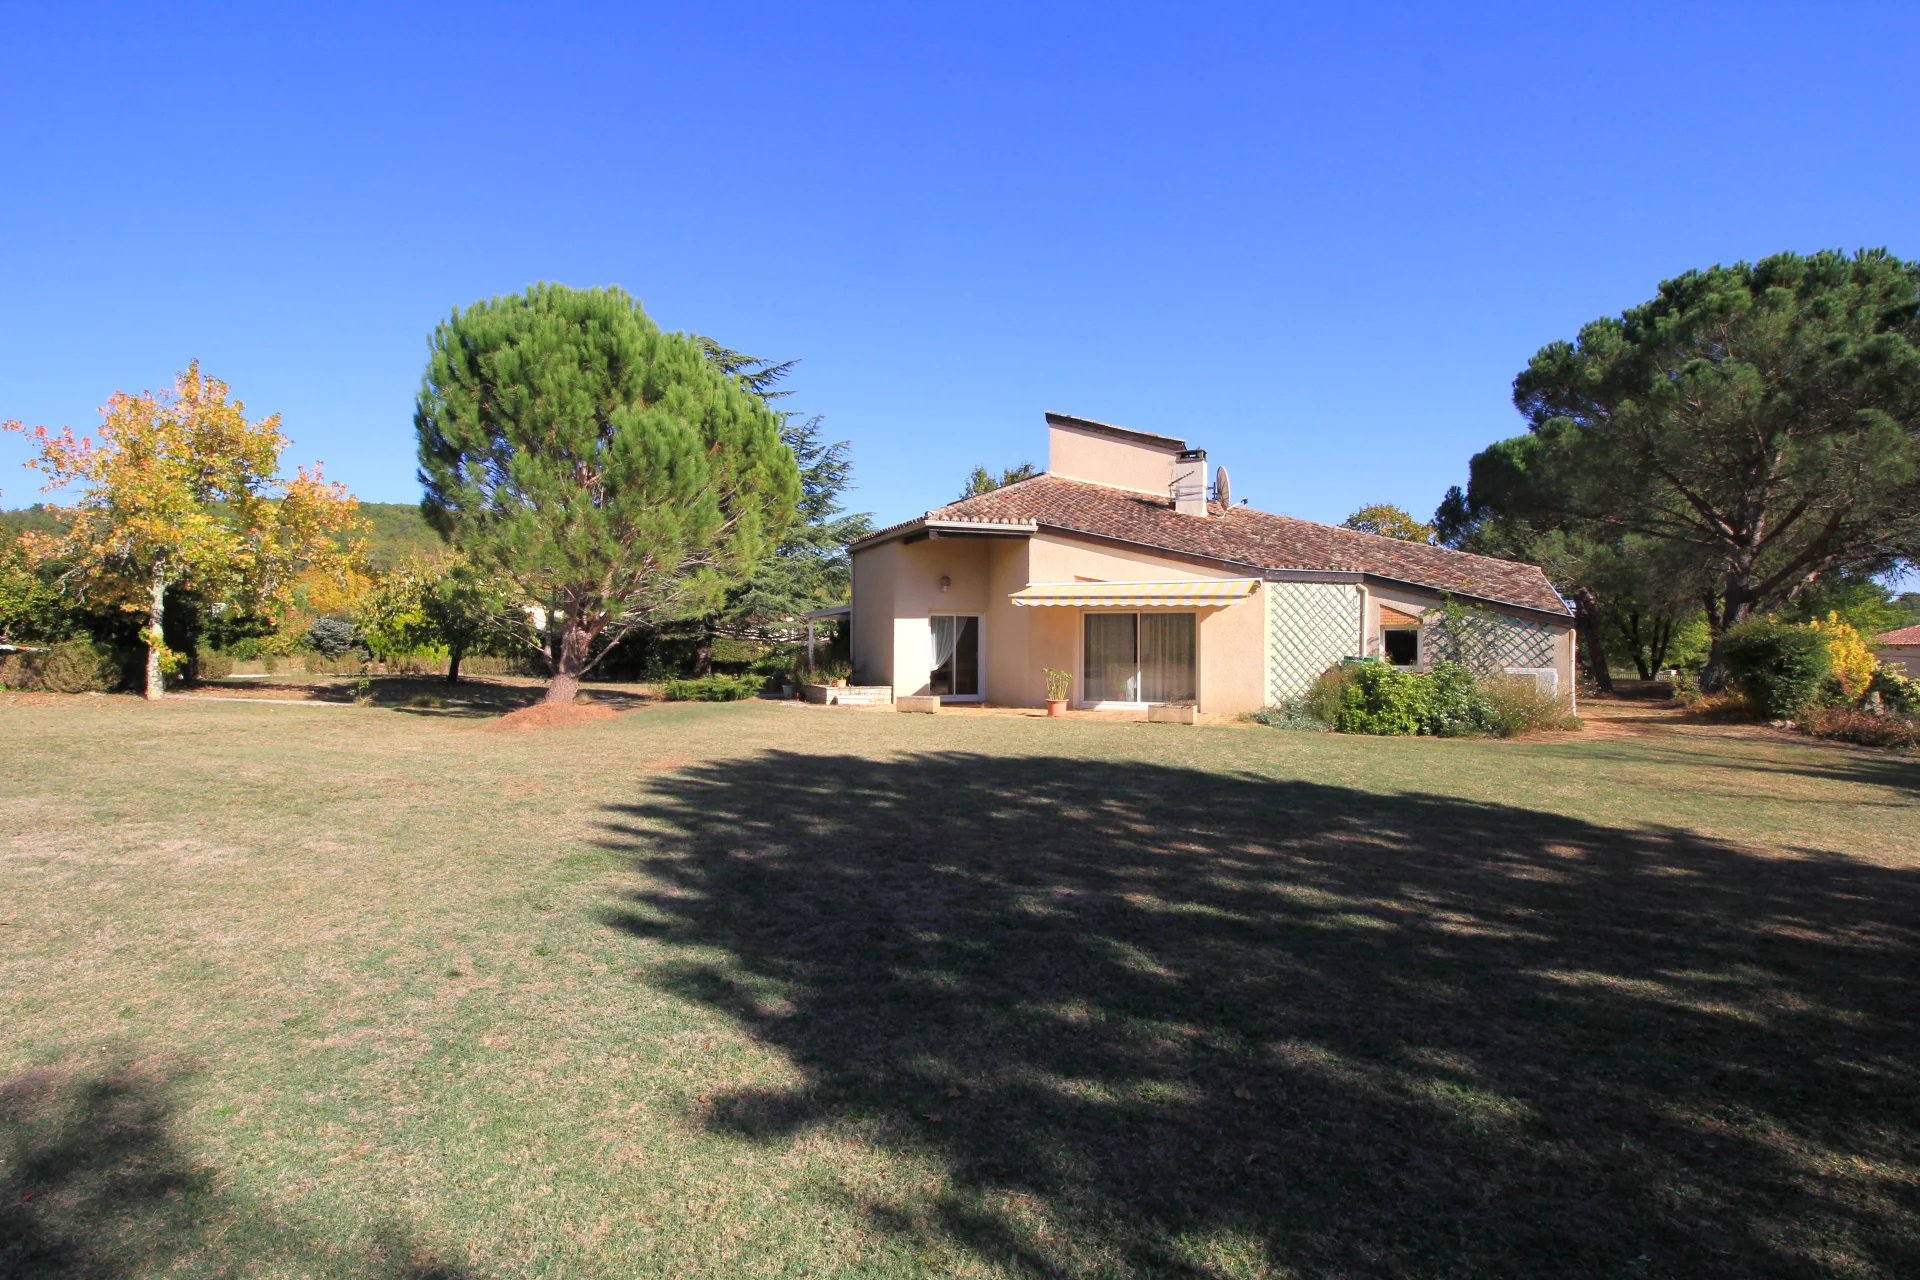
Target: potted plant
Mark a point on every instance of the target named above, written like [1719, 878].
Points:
[1058, 682]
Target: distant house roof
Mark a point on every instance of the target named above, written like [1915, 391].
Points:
[1905, 635]
[1235, 536]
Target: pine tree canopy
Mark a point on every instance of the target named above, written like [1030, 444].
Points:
[606, 469]
[809, 568]
[980, 480]
[1751, 430]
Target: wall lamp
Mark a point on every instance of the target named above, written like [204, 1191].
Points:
[945, 582]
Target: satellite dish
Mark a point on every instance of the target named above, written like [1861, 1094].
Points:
[1220, 491]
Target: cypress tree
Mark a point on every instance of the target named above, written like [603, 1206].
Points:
[600, 466]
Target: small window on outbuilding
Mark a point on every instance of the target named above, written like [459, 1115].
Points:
[1401, 645]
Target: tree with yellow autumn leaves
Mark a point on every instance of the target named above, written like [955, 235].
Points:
[179, 489]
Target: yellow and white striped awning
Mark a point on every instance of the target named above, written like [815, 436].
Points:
[1137, 595]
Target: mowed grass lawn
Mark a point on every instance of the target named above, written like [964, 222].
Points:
[754, 990]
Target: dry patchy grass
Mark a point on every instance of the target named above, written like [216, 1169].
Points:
[750, 989]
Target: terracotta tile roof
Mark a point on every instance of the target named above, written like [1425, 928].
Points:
[1241, 535]
[1905, 635]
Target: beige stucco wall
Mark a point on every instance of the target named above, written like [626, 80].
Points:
[1415, 602]
[1231, 638]
[896, 589]
[1905, 656]
[1079, 454]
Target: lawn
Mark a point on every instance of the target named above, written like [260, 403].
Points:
[753, 989]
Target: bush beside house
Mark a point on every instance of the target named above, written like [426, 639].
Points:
[1374, 697]
[1822, 677]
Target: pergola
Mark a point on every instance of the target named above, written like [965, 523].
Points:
[844, 611]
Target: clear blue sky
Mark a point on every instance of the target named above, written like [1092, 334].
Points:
[1319, 243]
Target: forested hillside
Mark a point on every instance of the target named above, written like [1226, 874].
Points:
[396, 531]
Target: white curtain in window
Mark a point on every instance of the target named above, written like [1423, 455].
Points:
[946, 636]
[1166, 657]
[1111, 658]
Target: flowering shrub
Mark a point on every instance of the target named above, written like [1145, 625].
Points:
[1847, 651]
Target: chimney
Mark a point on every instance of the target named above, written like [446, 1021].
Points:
[1189, 486]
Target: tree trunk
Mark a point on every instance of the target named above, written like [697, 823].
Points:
[703, 653]
[1662, 640]
[575, 643]
[454, 652]
[1734, 608]
[1586, 622]
[156, 618]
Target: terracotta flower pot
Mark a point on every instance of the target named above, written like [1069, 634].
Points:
[1056, 706]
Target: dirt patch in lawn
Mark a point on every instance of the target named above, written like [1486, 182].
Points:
[541, 716]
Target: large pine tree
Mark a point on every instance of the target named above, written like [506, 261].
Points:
[809, 568]
[604, 468]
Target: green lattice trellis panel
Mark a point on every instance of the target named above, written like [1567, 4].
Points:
[1310, 627]
[1492, 642]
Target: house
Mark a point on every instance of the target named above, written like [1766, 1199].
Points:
[1116, 564]
[1901, 649]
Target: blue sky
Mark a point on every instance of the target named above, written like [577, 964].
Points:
[1318, 242]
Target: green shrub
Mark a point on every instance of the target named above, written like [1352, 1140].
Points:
[1511, 705]
[715, 688]
[211, 664]
[329, 637]
[72, 666]
[1780, 668]
[777, 663]
[1455, 705]
[1383, 699]
[1326, 695]
[1896, 692]
[1291, 714]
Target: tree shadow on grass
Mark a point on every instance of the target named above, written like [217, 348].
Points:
[474, 698]
[94, 1187]
[1159, 1021]
[1817, 758]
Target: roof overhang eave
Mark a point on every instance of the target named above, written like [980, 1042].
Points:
[950, 528]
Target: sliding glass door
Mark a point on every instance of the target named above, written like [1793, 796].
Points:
[956, 657]
[1140, 657]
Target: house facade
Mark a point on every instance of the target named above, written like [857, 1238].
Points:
[1119, 566]
[1901, 649]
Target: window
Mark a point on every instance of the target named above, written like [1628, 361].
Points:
[956, 657]
[1139, 657]
[1401, 645]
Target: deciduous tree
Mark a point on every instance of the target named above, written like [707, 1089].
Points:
[602, 467]
[1389, 521]
[181, 490]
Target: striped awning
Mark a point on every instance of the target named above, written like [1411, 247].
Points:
[1137, 595]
